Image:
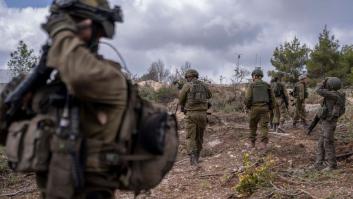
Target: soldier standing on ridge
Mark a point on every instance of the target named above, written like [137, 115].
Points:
[300, 93]
[259, 99]
[332, 108]
[193, 100]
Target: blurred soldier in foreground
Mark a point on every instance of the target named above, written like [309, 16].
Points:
[259, 99]
[193, 100]
[280, 112]
[300, 93]
[331, 109]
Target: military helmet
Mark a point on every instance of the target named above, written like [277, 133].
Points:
[257, 72]
[333, 83]
[97, 10]
[191, 73]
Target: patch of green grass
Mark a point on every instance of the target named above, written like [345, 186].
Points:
[315, 176]
[3, 162]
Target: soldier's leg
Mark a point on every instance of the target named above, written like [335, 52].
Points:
[303, 113]
[264, 119]
[283, 114]
[254, 119]
[320, 152]
[41, 179]
[191, 133]
[201, 127]
[329, 128]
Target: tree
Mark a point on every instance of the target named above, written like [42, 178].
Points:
[324, 58]
[290, 58]
[239, 75]
[156, 72]
[22, 59]
[345, 69]
[179, 74]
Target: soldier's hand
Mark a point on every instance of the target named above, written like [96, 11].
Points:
[58, 22]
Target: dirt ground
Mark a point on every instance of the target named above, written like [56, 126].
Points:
[217, 174]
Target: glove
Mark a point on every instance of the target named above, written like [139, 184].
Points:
[58, 22]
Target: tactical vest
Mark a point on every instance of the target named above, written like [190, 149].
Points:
[144, 152]
[277, 89]
[197, 95]
[260, 92]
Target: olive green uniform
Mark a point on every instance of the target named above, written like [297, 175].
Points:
[329, 117]
[301, 94]
[102, 92]
[280, 111]
[194, 99]
[260, 100]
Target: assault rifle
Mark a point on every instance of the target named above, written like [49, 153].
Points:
[313, 124]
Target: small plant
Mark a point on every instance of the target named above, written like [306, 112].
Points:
[255, 175]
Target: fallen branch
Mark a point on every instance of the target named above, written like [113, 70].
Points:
[309, 194]
[281, 134]
[284, 192]
[23, 191]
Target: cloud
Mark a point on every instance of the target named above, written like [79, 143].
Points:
[207, 33]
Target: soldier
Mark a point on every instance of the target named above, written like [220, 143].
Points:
[260, 100]
[300, 93]
[193, 100]
[99, 86]
[332, 108]
[281, 109]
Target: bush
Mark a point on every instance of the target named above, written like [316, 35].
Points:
[164, 95]
[227, 99]
[255, 175]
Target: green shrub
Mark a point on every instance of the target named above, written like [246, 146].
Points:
[254, 175]
[164, 95]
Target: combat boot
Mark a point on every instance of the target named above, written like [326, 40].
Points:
[275, 126]
[193, 159]
[198, 156]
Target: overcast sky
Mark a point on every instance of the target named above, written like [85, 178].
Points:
[207, 33]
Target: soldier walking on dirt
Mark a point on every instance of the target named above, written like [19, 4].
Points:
[259, 99]
[193, 100]
[300, 93]
[332, 108]
[280, 111]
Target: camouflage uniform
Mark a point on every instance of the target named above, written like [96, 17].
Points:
[281, 108]
[260, 100]
[301, 94]
[333, 101]
[193, 99]
[101, 89]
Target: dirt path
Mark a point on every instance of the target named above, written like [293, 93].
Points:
[217, 175]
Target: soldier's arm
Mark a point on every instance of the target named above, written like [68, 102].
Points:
[209, 93]
[248, 97]
[285, 92]
[301, 92]
[322, 91]
[85, 75]
[183, 94]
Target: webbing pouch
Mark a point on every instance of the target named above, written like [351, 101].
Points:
[28, 144]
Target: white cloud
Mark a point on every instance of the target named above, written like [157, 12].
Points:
[206, 33]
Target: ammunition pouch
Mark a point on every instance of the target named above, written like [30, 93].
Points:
[28, 143]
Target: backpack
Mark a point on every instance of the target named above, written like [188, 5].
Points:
[340, 106]
[144, 152]
[260, 92]
[277, 89]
